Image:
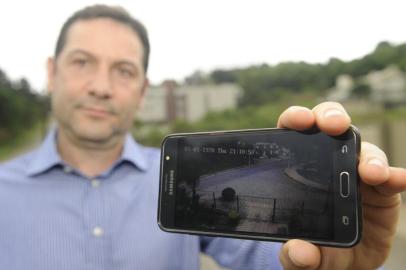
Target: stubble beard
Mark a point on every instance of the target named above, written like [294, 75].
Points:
[87, 136]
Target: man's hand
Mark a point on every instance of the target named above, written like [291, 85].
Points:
[380, 187]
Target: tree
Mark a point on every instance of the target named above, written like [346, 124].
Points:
[20, 107]
[361, 90]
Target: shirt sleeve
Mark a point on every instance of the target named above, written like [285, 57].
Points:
[242, 254]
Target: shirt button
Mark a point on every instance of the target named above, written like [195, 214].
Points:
[98, 232]
[95, 183]
[67, 169]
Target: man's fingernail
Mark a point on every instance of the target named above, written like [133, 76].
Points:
[376, 162]
[299, 109]
[333, 112]
[294, 259]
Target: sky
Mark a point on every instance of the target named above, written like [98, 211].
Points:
[189, 35]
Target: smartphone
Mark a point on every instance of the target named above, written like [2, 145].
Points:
[262, 184]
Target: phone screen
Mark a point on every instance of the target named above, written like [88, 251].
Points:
[280, 183]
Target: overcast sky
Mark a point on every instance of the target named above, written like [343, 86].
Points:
[191, 35]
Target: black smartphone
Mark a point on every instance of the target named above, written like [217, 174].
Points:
[263, 184]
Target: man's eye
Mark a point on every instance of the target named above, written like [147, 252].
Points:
[126, 73]
[80, 62]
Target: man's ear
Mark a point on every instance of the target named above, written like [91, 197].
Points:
[144, 90]
[51, 70]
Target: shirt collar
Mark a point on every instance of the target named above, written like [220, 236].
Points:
[47, 156]
[134, 153]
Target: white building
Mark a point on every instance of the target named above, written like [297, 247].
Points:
[169, 102]
[387, 86]
[342, 89]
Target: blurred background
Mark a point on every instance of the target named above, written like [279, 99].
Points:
[229, 65]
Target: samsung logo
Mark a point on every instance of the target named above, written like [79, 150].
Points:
[171, 181]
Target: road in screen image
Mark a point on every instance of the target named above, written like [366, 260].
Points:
[268, 195]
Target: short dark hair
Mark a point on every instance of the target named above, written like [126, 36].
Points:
[115, 13]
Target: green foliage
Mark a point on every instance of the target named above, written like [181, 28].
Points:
[153, 137]
[263, 83]
[361, 90]
[248, 117]
[24, 141]
[20, 107]
[388, 115]
[223, 76]
[262, 116]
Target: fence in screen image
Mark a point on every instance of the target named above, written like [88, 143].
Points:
[266, 215]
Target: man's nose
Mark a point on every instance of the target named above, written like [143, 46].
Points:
[101, 85]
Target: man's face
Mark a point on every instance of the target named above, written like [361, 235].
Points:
[98, 80]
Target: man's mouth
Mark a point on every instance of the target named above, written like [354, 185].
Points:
[96, 112]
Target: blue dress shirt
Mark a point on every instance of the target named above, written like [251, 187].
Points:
[54, 217]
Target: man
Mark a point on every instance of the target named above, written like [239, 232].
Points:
[87, 197]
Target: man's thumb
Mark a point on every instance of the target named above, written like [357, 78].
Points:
[299, 255]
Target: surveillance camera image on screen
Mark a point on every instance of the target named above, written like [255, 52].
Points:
[273, 184]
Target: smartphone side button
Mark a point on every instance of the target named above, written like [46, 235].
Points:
[345, 220]
[344, 184]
